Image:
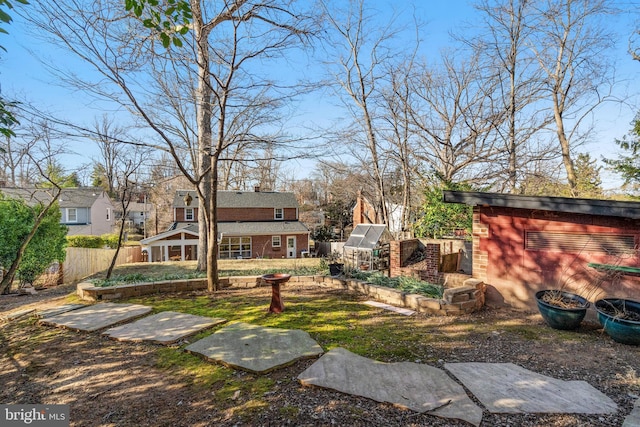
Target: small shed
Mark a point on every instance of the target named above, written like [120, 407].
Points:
[523, 244]
[367, 247]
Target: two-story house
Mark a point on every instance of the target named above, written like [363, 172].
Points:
[86, 211]
[251, 224]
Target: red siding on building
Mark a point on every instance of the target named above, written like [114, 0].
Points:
[514, 273]
[261, 246]
[179, 215]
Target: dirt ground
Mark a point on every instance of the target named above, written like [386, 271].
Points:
[109, 383]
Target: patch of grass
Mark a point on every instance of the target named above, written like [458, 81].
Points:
[247, 410]
[289, 412]
[159, 271]
[200, 372]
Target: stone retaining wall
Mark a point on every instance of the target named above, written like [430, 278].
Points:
[458, 300]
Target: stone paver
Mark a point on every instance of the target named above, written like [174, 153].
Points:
[633, 419]
[404, 311]
[98, 316]
[17, 314]
[509, 388]
[415, 386]
[165, 328]
[50, 312]
[256, 348]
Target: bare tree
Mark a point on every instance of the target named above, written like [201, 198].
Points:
[359, 53]
[398, 131]
[503, 44]
[570, 46]
[224, 40]
[107, 137]
[126, 169]
[14, 159]
[456, 114]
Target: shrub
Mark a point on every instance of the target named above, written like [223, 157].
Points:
[110, 240]
[80, 241]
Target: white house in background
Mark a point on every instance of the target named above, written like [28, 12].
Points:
[86, 211]
[137, 215]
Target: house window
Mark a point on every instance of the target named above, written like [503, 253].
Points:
[279, 214]
[235, 247]
[276, 241]
[188, 214]
[72, 215]
[108, 214]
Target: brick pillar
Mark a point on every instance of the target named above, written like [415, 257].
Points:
[432, 252]
[480, 258]
[394, 258]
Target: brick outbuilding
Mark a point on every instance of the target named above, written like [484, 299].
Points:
[522, 244]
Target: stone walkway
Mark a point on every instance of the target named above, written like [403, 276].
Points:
[419, 387]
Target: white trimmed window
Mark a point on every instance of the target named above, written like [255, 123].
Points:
[278, 214]
[235, 247]
[276, 241]
[108, 214]
[188, 214]
[72, 215]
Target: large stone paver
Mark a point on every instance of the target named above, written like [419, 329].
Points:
[98, 316]
[50, 312]
[633, 419]
[256, 348]
[509, 388]
[415, 386]
[165, 327]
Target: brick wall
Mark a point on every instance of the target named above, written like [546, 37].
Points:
[399, 252]
[480, 257]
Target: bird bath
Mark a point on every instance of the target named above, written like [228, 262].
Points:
[275, 280]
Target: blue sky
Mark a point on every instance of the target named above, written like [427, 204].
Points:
[23, 76]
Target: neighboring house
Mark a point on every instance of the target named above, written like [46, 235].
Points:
[522, 244]
[250, 225]
[86, 211]
[137, 215]
[365, 213]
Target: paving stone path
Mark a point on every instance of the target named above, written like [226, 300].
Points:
[165, 328]
[419, 387]
[256, 348]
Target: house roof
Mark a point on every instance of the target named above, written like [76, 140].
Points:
[182, 228]
[544, 203]
[261, 228]
[235, 229]
[69, 197]
[240, 199]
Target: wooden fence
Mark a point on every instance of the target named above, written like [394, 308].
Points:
[83, 262]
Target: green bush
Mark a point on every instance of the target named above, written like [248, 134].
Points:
[405, 284]
[46, 247]
[110, 240]
[85, 241]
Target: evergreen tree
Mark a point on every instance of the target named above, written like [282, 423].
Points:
[628, 165]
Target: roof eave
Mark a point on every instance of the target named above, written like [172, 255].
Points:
[546, 203]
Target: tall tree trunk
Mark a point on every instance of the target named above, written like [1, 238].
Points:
[203, 117]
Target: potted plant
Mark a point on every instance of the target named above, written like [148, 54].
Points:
[561, 309]
[564, 309]
[336, 267]
[620, 319]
